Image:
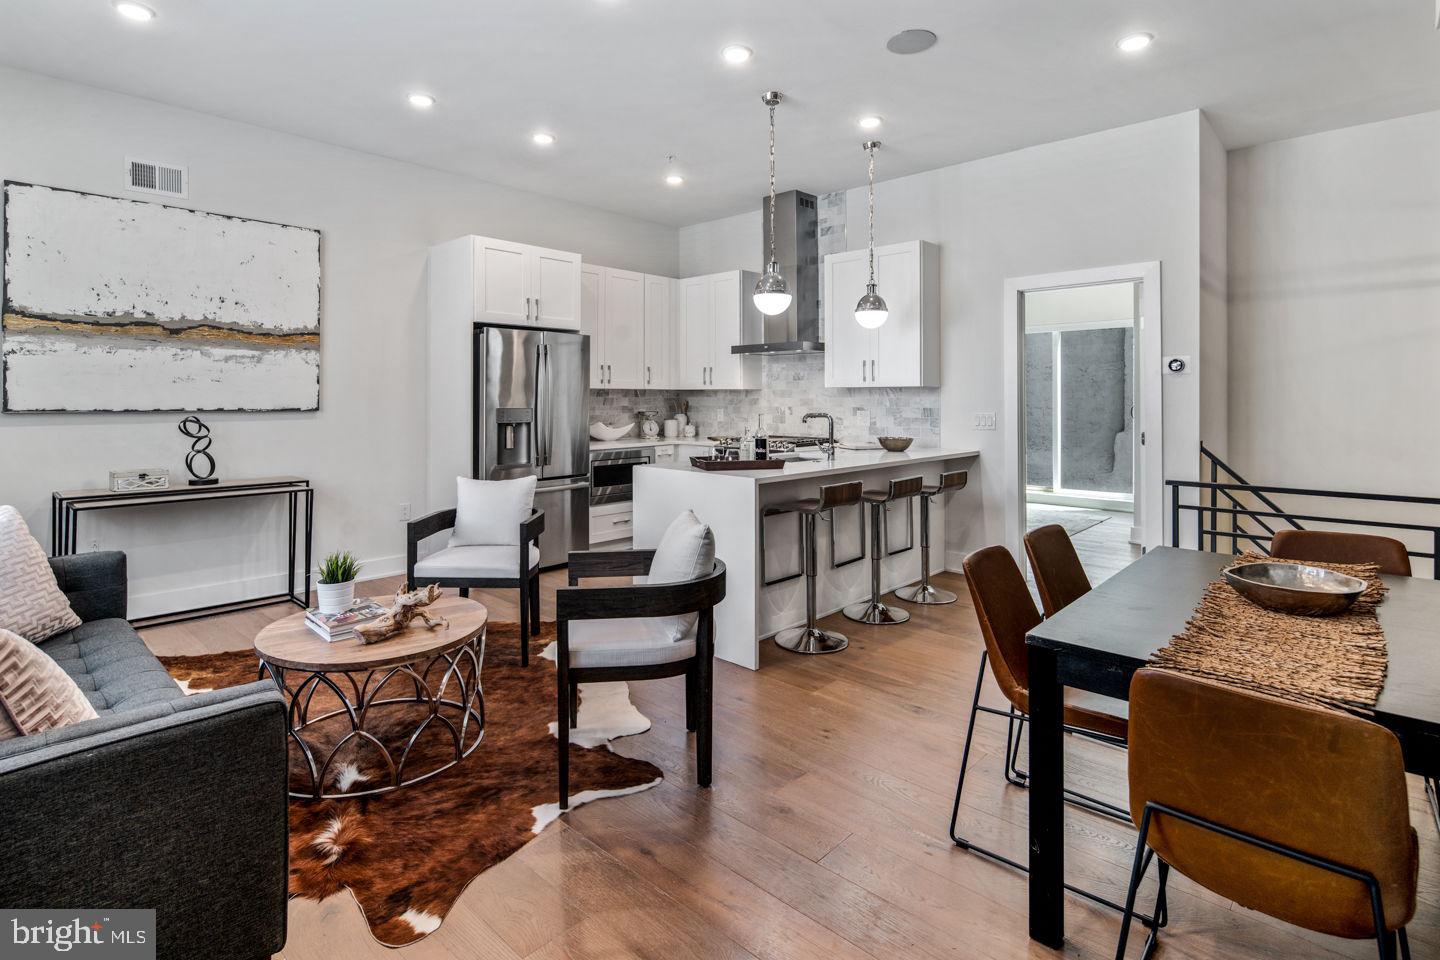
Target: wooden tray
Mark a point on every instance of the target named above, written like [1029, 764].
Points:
[712, 463]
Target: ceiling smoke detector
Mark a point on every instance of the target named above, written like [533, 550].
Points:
[911, 41]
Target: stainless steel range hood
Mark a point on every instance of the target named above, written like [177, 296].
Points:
[797, 248]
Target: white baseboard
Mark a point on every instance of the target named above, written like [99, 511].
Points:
[192, 596]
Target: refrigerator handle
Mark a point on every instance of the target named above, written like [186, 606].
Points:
[536, 438]
[549, 403]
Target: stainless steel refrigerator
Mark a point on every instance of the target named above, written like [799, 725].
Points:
[530, 394]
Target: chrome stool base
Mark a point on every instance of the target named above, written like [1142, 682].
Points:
[811, 640]
[925, 593]
[875, 612]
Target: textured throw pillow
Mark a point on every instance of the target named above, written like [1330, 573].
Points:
[35, 694]
[686, 550]
[31, 603]
[489, 512]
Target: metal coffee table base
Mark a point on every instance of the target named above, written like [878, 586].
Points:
[447, 685]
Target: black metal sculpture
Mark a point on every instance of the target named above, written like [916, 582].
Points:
[199, 434]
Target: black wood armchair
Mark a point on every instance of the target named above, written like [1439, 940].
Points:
[502, 565]
[615, 633]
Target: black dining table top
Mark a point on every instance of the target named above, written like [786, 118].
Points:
[1116, 627]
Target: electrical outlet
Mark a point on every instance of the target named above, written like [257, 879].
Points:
[984, 421]
[405, 512]
[94, 544]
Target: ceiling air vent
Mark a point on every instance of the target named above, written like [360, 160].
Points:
[145, 176]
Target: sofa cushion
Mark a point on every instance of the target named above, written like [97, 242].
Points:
[35, 694]
[491, 511]
[474, 563]
[111, 664]
[31, 603]
[629, 642]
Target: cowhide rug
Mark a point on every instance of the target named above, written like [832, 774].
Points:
[406, 856]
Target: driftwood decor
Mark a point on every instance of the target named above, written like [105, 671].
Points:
[396, 620]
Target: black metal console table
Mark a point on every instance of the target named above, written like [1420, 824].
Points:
[66, 506]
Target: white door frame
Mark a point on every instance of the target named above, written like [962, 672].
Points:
[1150, 470]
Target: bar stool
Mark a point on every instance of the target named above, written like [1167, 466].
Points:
[872, 610]
[923, 592]
[810, 638]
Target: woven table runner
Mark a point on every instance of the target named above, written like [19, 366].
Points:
[1336, 662]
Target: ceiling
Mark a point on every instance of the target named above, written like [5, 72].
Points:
[623, 83]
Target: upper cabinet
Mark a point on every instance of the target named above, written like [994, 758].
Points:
[511, 283]
[714, 314]
[613, 314]
[660, 331]
[905, 352]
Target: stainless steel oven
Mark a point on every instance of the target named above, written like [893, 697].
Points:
[611, 473]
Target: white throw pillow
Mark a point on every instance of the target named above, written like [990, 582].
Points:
[31, 602]
[686, 550]
[489, 512]
[35, 694]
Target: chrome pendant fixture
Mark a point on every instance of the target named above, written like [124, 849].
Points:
[871, 312]
[772, 295]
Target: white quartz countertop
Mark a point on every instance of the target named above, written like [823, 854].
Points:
[637, 443]
[845, 461]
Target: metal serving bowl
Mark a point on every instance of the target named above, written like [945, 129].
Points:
[1295, 588]
[896, 444]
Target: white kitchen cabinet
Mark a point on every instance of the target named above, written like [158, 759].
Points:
[629, 318]
[660, 331]
[716, 314]
[905, 352]
[501, 281]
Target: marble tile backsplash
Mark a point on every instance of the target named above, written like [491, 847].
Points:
[791, 386]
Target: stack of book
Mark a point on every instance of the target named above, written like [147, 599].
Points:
[341, 626]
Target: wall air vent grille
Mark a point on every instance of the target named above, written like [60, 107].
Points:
[146, 176]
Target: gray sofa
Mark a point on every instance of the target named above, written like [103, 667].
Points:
[165, 801]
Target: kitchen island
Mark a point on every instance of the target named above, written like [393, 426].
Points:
[731, 503]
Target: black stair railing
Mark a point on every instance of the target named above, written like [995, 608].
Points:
[1219, 502]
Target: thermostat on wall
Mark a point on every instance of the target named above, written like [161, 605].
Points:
[1177, 364]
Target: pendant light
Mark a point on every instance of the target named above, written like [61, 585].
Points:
[871, 311]
[772, 296]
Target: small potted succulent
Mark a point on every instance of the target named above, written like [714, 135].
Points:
[337, 581]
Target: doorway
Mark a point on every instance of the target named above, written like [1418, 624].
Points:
[1083, 410]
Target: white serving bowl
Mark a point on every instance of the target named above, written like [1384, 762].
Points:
[603, 431]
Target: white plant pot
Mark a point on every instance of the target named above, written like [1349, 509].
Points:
[335, 597]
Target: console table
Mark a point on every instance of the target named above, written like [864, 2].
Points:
[66, 506]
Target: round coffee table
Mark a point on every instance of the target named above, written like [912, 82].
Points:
[438, 670]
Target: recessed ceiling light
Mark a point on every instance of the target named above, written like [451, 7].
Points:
[674, 179]
[911, 41]
[542, 138]
[422, 101]
[737, 53]
[131, 10]
[673, 176]
[870, 123]
[1136, 42]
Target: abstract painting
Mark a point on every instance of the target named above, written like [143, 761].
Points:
[120, 305]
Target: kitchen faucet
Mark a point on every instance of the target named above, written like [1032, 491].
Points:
[830, 441]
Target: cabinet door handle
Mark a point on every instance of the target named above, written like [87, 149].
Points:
[537, 309]
[872, 371]
[647, 375]
[617, 523]
[862, 371]
[527, 309]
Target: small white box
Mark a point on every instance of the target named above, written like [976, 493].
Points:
[143, 478]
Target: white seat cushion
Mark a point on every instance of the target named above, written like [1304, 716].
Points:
[476, 563]
[491, 511]
[631, 642]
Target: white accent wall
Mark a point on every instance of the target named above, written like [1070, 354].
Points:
[364, 448]
[1335, 309]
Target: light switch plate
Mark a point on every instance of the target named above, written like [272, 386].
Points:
[984, 421]
[1175, 365]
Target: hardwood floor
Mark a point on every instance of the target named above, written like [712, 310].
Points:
[824, 835]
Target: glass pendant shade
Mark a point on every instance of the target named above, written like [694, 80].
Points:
[772, 295]
[871, 311]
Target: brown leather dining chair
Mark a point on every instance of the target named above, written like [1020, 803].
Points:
[1059, 574]
[1290, 810]
[1006, 614]
[1328, 546]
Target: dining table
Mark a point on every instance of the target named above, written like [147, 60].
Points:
[1099, 641]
